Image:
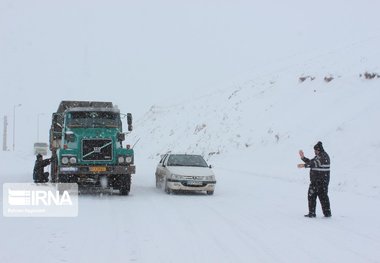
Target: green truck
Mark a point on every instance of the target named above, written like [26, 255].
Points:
[86, 141]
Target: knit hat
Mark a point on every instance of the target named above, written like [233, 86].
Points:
[319, 147]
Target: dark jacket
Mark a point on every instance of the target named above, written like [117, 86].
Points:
[319, 167]
[38, 171]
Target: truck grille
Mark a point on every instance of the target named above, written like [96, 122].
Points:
[97, 149]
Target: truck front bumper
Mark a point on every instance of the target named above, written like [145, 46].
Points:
[110, 176]
[97, 170]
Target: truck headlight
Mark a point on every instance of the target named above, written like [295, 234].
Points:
[128, 159]
[65, 160]
[120, 159]
[73, 160]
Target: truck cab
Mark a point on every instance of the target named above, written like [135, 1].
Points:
[88, 146]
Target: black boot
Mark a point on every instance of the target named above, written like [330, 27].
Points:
[310, 215]
[327, 214]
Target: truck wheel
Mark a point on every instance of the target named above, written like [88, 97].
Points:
[124, 191]
[210, 192]
[125, 184]
[54, 169]
[61, 187]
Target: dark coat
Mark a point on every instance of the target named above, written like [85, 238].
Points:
[38, 171]
[319, 182]
[319, 167]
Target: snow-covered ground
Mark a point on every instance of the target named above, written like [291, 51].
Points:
[252, 217]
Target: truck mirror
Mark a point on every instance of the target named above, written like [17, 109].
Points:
[120, 137]
[129, 121]
[56, 127]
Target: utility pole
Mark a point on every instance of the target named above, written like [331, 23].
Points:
[5, 133]
[14, 124]
[38, 126]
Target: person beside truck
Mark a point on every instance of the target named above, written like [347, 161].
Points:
[39, 176]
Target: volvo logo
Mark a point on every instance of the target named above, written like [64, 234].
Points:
[97, 149]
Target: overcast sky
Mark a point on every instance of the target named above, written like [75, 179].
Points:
[140, 53]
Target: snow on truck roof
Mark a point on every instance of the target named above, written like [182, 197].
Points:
[65, 105]
[87, 109]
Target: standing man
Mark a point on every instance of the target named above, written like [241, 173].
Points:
[319, 179]
[38, 172]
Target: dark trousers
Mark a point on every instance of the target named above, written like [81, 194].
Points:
[44, 178]
[319, 189]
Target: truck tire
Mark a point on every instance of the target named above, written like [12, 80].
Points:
[54, 168]
[125, 184]
[61, 187]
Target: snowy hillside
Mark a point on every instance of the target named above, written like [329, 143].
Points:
[265, 121]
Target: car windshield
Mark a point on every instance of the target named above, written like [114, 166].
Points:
[85, 119]
[186, 160]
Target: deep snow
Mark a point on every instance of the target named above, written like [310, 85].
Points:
[251, 218]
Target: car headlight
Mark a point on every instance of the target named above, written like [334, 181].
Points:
[176, 176]
[128, 159]
[65, 160]
[120, 159]
[73, 160]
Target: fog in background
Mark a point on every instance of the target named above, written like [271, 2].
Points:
[143, 53]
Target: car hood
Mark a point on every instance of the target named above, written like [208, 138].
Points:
[190, 170]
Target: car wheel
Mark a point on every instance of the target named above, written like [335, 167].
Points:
[210, 192]
[158, 182]
[167, 189]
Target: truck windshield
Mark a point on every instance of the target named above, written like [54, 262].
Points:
[87, 119]
[186, 160]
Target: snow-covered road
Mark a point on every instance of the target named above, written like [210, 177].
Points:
[251, 218]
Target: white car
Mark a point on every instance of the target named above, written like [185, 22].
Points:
[186, 172]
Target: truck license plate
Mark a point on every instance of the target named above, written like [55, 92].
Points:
[98, 169]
